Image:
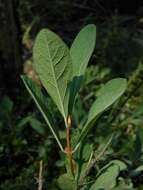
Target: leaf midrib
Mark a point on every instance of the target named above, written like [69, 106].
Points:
[57, 87]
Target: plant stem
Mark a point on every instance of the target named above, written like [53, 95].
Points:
[68, 149]
[68, 137]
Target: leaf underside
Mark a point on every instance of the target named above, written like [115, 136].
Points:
[53, 64]
[109, 93]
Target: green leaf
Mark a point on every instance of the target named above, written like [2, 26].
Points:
[21, 124]
[52, 62]
[81, 51]
[35, 124]
[66, 182]
[122, 166]
[109, 93]
[82, 157]
[124, 184]
[39, 99]
[107, 180]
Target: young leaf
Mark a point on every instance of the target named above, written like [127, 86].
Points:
[53, 64]
[39, 99]
[81, 51]
[109, 93]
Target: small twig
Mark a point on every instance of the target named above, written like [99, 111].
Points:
[104, 149]
[80, 6]
[94, 160]
[90, 159]
[40, 177]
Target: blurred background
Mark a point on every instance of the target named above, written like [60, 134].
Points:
[118, 53]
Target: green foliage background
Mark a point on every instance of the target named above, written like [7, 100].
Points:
[24, 137]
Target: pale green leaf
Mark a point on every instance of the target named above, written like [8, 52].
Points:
[53, 64]
[122, 165]
[109, 93]
[39, 99]
[81, 51]
[107, 180]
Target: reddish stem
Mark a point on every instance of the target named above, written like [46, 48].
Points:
[68, 148]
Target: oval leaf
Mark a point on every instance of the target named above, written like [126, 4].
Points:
[81, 51]
[109, 93]
[53, 64]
